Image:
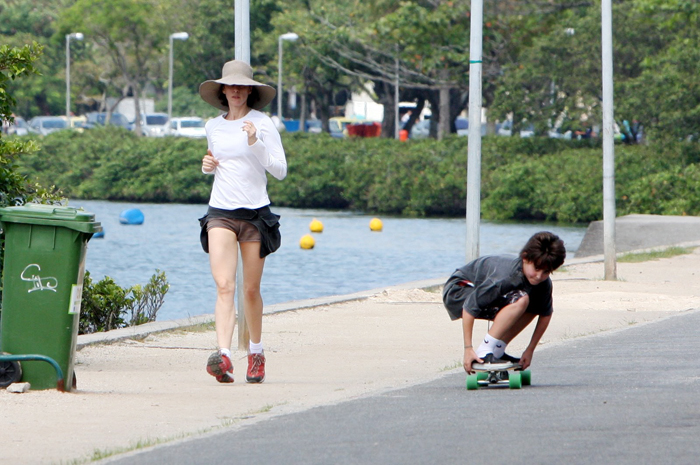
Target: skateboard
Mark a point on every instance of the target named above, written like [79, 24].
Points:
[512, 375]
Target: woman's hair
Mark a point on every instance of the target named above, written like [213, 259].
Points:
[253, 98]
[545, 250]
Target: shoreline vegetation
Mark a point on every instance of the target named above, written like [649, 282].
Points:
[523, 179]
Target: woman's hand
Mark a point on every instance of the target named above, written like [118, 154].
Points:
[209, 163]
[250, 129]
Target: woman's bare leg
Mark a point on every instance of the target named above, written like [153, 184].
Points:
[223, 258]
[252, 299]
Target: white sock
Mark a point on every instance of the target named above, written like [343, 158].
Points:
[256, 348]
[500, 349]
[226, 352]
[491, 345]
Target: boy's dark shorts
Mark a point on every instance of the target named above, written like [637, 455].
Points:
[457, 291]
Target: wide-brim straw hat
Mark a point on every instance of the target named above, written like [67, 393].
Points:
[238, 73]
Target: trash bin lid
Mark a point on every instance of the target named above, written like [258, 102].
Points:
[51, 215]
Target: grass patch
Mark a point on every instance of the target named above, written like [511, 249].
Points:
[264, 409]
[653, 255]
[101, 454]
[455, 365]
[197, 328]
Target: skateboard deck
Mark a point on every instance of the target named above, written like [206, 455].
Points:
[494, 374]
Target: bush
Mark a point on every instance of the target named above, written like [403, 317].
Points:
[521, 179]
[105, 304]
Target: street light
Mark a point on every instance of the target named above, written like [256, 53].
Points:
[178, 36]
[287, 36]
[76, 36]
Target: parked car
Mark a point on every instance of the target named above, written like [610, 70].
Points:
[77, 123]
[100, 119]
[506, 129]
[557, 134]
[44, 125]
[421, 129]
[18, 128]
[187, 126]
[154, 124]
[462, 127]
[338, 126]
[313, 126]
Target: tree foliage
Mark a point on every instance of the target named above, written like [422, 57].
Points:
[522, 178]
[557, 78]
[541, 59]
[25, 22]
[15, 189]
[105, 305]
[132, 33]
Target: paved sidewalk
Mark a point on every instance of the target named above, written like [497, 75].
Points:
[141, 387]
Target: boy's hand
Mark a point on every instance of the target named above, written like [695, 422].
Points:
[526, 358]
[469, 358]
[209, 163]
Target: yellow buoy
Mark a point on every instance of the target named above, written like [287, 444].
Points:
[307, 242]
[316, 226]
[376, 224]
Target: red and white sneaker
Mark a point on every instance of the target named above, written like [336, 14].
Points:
[220, 367]
[256, 368]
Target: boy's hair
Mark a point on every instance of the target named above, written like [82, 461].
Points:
[545, 250]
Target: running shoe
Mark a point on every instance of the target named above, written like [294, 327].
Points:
[220, 367]
[256, 368]
[493, 363]
[509, 358]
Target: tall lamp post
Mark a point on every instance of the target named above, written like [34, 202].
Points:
[76, 36]
[287, 36]
[474, 143]
[178, 36]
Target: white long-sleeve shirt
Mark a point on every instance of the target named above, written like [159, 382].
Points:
[239, 178]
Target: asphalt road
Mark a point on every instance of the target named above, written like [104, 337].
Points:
[625, 397]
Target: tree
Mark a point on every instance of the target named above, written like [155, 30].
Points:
[25, 22]
[132, 33]
[665, 95]
[555, 76]
[321, 87]
[15, 189]
[427, 39]
[211, 26]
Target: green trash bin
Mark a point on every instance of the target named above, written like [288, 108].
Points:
[44, 265]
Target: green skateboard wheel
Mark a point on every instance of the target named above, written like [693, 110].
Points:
[515, 380]
[482, 375]
[472, 382]
[526, 376]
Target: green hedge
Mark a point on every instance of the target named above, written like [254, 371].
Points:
[523, 179]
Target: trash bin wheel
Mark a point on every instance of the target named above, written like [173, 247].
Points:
[10, 372]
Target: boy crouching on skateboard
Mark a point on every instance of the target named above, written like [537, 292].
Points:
[510, 291]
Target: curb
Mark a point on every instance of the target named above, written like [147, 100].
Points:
[141, 331]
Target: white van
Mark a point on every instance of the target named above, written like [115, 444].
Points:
[187, 126]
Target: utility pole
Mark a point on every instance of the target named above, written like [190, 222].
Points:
[474, 144]
[242, 45]
[608, 145]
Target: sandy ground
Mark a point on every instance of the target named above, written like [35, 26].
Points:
[156, 389]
